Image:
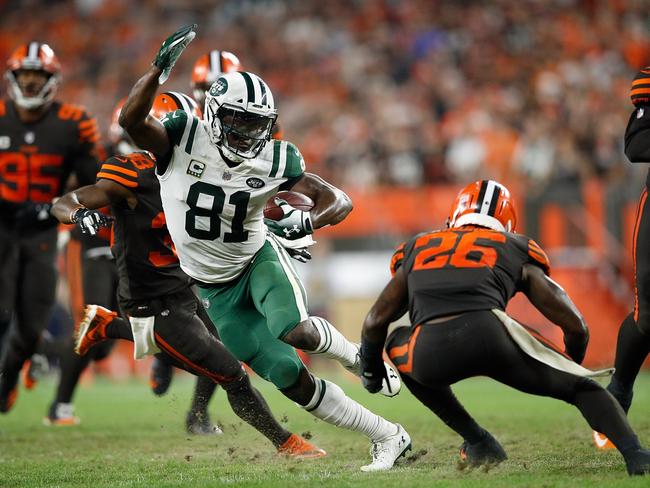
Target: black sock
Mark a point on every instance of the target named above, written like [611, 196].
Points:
[251, 407]
[632, 347]
[119, 329]
[203, 392]
[72, 365]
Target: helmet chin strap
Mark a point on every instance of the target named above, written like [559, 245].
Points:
[227, 153]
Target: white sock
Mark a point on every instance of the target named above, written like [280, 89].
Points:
[333, 406]
[333, 344]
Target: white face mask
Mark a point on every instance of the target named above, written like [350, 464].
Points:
[45, 95]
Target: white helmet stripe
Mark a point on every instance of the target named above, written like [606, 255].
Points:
[250, 87]
[32, 52]
[489, 195]
[262, 90]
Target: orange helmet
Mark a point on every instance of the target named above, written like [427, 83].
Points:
[485, 203]
[163, 103]
[208, 68]
[37, 57]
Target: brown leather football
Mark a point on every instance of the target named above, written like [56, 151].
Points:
[296, 200]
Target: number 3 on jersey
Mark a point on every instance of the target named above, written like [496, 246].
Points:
[239, 200]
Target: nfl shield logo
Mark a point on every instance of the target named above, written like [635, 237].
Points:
[226, 176]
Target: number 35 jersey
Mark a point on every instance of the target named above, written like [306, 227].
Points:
[214, 208]
[461, 270]
[37, 158]
[141, 244]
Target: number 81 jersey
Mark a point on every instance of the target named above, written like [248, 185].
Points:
[214, 209]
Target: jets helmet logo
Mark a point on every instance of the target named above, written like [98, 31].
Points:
[219, 87]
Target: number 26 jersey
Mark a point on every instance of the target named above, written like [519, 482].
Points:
[461, 270]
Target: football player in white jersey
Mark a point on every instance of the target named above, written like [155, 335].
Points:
[216, 175]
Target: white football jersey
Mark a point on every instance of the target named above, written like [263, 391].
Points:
[214, 212]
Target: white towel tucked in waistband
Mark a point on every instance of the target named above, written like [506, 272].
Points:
[144, 342]
[535, 349]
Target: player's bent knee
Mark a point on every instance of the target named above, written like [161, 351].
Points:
[284, 372]
[583, 385]
[238, 383]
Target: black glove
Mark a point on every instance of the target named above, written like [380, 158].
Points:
[373, 371]
[34, 216]
[575, 346]
[302, 254]
[90, 221]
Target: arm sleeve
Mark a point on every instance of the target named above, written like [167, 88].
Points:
[175, 122]
[398, 259]
[537, 256]
[125, 169]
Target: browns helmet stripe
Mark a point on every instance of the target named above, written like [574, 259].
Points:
[216, 67]
[487, 197]
[180, 102]
[32, 52]
[495, 200]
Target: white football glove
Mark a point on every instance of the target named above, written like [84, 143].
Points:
[294, 225]
[298, 249]
[90, 221]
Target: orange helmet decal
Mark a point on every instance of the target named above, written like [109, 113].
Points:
[169, 101]
[485, 203]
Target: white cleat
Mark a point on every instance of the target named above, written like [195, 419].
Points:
[386, 452]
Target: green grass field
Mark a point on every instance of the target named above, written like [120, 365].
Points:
[129, 438]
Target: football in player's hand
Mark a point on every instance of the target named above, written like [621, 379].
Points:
[391, 385]
[297, 200]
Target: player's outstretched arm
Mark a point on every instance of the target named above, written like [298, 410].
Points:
[550, 299]
[331, 205]
[146, 131]
[79, 206]
[391, 304]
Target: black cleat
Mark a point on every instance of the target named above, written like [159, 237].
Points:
[199, 423]
[488, 451]
[638, 462]
[161, 376]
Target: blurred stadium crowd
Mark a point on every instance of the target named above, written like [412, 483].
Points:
[390, 92]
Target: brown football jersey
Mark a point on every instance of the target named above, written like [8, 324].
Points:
[146, 260]
[37, 158]
[452, 271]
